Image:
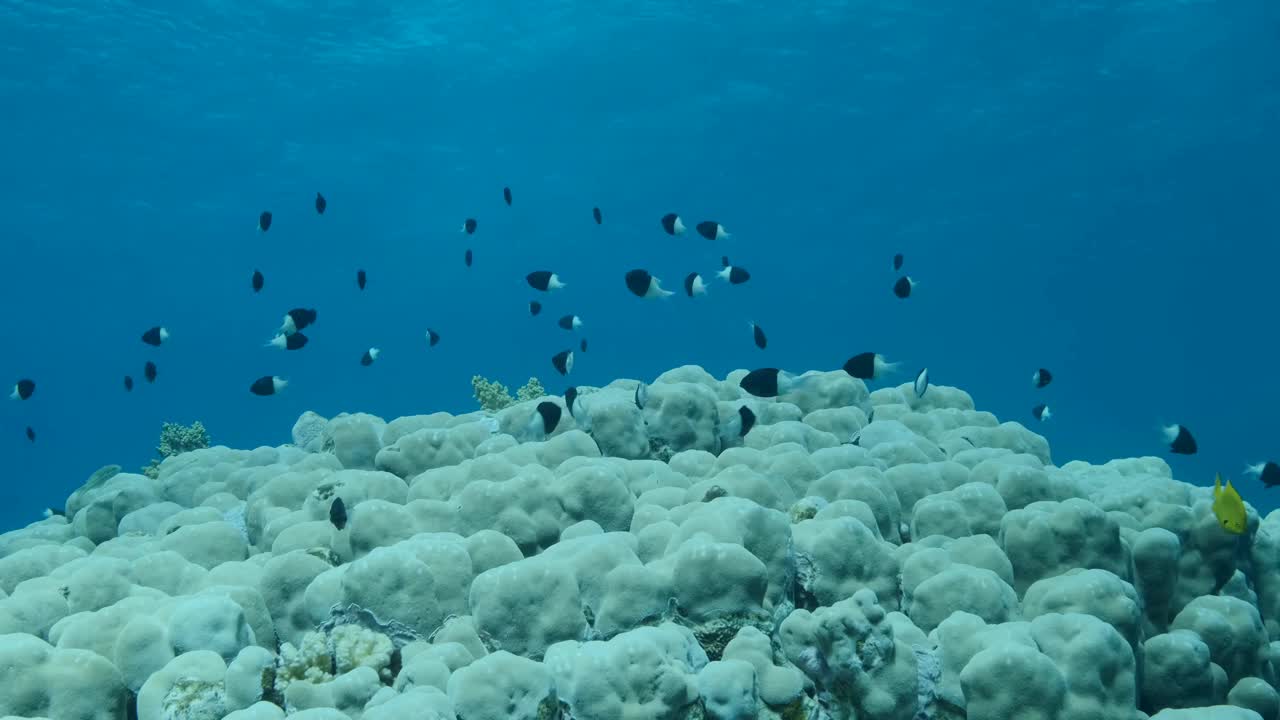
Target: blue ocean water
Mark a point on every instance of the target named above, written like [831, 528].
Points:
[1085, 186]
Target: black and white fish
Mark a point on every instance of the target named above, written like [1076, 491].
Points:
[467, 258]
[1041, 378]
[737, 426]
[155, 336]
[128, 383]
[770, 382]
[150, 371]
[582, 345]
[545, 419]
[897, 262]
[268, 385]
[297, 319]
[257, 281]
[672, 224]
[321, 204]
[433, 338]
[869, 366]
[903, 287]
[595, 213]
[642, 284]
[1040, 412]
[469, 226]
[563, 362]
[570, 322]
[693, 285]
[338, 513]
[1180, 440]
[570, 397]
[506, 195]
[922, 382]
[535, 307]
[361, 279]
[757, 334]
[544, 280]
[370, 356]
[296, 341]
[264, 221]
[733, 274]
[23, 389]
[642, 395]
[1268, 472]
[712, 230]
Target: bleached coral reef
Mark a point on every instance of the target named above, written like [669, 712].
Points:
[855, 556]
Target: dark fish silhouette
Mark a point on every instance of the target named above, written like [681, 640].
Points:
[321, 203]
[338, 513]
[149, 371]
[258, 280]
[506, 195]
[23, 389]
[595, 213]
[267, 385]
[264, 221]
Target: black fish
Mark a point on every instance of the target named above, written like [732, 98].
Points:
[762, 382]
[711, 230]
[23, 389]
[563, 362]
[31, 434]
[570, 396]
[155, 336]
[1268, 472]
[748, 419]
[724, 261]
[550, 414]
[149, 371]
[868, 366]
[535, 307]
[298, 319]
[902, 288]
[671, 224]
[369, 356]
[595, 213]
[267, 385]
[693, 285]
[1180, 440]
[338, 513]
[361, 278]
[583, 345]
[467, 258]
[128, 383]
[641, 396]
[293, 341]
[506, 195]
[469, 226]
[735, 275]
[758, 334]
[642, 284]
[1041, 378]
[321, 203]
[897, 262]
[264, 221]
[543, 280]
[433, 337]
[570, 322]
[258, 280]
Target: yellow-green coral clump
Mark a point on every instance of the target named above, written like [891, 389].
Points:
[494, 396]
[176, 439]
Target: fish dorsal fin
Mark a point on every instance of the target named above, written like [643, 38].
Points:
[1217, 485]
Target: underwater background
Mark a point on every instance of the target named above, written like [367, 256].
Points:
[1089, 187]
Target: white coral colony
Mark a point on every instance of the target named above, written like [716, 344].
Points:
[667, 549]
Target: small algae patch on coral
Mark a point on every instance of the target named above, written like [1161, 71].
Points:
[494, 396]
[176, 439]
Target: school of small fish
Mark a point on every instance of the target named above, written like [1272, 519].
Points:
[766, 382]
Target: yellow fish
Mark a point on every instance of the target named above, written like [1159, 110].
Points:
[1228, 507]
